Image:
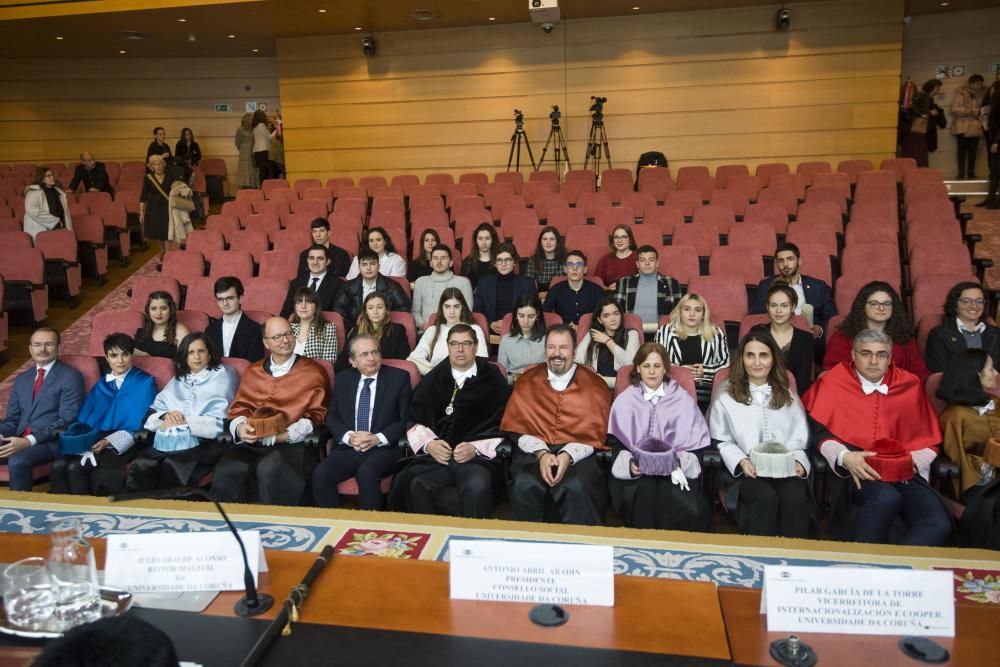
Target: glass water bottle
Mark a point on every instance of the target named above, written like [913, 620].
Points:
[74, 576]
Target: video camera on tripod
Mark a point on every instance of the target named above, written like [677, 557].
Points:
[555, 115]
[519, 119]
[597, 108]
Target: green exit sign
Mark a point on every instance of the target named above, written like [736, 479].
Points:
[223, 108]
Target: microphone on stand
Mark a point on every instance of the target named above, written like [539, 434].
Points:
[252, 603]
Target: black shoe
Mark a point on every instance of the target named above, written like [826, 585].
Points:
[993, 205]
[986, 202]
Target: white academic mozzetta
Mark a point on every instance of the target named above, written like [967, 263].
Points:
[859, 601]
[181, 562]
[536, 572]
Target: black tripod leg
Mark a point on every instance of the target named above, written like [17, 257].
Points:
[607, 149]
[527, 144]
[545, 149]
[513, 143]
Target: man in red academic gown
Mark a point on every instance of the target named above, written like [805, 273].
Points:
[874, 424]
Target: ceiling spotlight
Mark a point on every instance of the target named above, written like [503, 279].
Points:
[636, 8]
[59, 38]
[357, 27]
[255, 50]
[182, 20]
[231, 36]
[321, 11]
[493, 18]
[122, 52]
[945, 4]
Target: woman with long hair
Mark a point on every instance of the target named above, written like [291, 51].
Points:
[480, 259]
[159, 145]
[763, 432]
[923, 114]
[878, 307]
[186, 420]
[262, 138]
[692, 341]
[654, 429]
[45, 205]
[187, 148]
[549, 258]
[964, 327]
[420, 265]
[314, 336]
[374, 321]
[246, 175]
[620, 262]
[525, 344]
[160, 331]
[432, 348]
[389, 261]
[608, 345]
[797, 346]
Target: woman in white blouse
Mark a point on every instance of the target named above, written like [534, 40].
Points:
[762, 432]
[389, 261]
[262, 138]
[608, 345]
[432, 348]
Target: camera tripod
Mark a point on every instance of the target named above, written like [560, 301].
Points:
[515, 143]
[597, 141]
[556, 139]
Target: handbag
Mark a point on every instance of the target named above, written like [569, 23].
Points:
[919, 125]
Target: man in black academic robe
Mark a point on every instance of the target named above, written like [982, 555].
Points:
[456, 413]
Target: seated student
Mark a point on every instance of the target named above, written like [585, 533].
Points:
[319, 279]
[236, 334]
[420, 265]
[811, 291]
[314, 336]
[608, 345]
[620, 262]
[44, 399]
[970, 423]
[456, 415]
[280, 401]
[389, 262]
[574, 296]
[877, 307]
[374, 321]
[558, 416]
[875, 426]
[186, 420]
[648, 294]
[548, 260]
[160, 330]
[366, 418]
[525, 344]
[654, 429]
[497, 293]
[763, 432]
[797, 346]
[428, 289]
[353, 294]
[692, 341]
[98, 446]
[963, 328]
[432, 348]
[340, 261]
[480, 260]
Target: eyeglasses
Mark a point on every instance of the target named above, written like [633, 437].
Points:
[620, 238]
[868, 354]
[226, 299]
[966, 301]
[879, 305]
[277, 338]
[456, 344]
[505, 260]
[575, 265]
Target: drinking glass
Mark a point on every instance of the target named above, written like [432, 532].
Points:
[29, 598]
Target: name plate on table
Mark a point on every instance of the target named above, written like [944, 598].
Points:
[858, 601]
[181, 562]
[538, 572]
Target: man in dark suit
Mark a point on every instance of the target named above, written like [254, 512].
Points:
[236, 334]
[340, 261]
[366, 419]
[810, 290]
[369, 280]
[92, 174]
[497, 293]
[44, 399]
[319, 279]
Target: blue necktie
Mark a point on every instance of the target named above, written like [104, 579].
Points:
[364, 405]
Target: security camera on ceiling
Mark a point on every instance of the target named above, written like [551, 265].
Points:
[545, 13]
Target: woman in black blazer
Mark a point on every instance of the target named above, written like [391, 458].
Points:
[965, 304]
[797, 346]
[374, 321]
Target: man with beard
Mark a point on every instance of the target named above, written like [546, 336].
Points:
[810, 290]
[558, 414]
[456, 414]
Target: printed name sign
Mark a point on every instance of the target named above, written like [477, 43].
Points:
[538, 572]
[181, 562]
[858, 601]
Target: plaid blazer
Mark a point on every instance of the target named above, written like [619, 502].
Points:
[320, 348]
[668, 293]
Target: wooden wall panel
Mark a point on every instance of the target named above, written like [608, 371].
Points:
[705, 87]
[52, 110]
